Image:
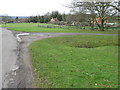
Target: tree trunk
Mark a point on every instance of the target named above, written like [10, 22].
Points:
[102, 24]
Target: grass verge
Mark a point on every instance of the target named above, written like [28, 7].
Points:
[76, 62]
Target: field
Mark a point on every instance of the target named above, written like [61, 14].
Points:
[39, 27]
[83, 61]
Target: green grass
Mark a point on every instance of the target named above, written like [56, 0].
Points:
[33, 27]
[76, 62]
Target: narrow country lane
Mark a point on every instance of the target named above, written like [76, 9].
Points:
[9, 59]
[0, 58]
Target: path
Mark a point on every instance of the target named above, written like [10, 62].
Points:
[11, 74]
[0, 58]
[9, 56]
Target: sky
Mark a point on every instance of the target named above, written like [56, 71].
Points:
[32, 7]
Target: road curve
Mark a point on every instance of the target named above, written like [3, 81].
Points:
[59, 34]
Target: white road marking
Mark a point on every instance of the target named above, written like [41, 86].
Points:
[22, 34]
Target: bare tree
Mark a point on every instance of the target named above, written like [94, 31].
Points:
[96, 9]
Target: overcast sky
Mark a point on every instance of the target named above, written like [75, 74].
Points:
[32, 7]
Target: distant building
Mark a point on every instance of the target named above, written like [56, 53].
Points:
[54, 20]
[98, 20]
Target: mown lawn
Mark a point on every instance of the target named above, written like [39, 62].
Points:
[83, 61]
[36, 27]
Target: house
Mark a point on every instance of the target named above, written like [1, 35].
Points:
[54, 20]
[98, 21]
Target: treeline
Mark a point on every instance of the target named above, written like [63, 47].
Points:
[47, 17]
[78, 19]
[6, 19]
[64, 19]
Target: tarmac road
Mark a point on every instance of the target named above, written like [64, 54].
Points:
[9, 57]
[0, 58]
